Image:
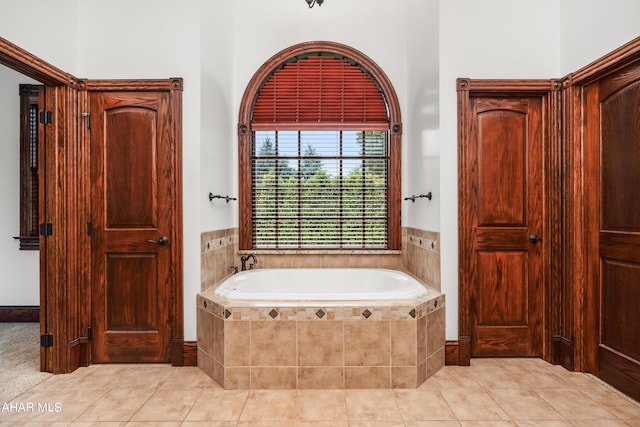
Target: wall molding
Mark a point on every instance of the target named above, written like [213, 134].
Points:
[19, 313]
[456, 353]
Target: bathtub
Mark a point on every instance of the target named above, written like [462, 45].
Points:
[329, 328]
[321, 284]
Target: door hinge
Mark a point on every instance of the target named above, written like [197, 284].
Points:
[46, 340]
[46, 117]
[87, 119]
[89, 333]
[46, 229]
[89, 227]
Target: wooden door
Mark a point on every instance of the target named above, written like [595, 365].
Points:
[502, 224]
[133, 190]
[612, 145]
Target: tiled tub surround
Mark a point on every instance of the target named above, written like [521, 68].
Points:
[280, 345]
[420, 256]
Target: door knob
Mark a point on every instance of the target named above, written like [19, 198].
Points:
[534, 238]
[162, 241]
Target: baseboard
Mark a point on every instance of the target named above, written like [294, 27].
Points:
[562, 352]
[451, 353]
[190, 353]
[19, 313]
[184, 353]
[457, 352]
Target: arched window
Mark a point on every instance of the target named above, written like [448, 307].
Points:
[319, 134]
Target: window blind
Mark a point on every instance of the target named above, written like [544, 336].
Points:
[320, 189]
[320, 89]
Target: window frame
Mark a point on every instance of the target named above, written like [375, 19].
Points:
[245, 137]
[29, 237]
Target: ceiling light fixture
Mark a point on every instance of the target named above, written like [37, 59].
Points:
[311, 3]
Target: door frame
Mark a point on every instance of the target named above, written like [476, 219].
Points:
[64, 259]
[60, 258]
[549, 92]
[174, 87]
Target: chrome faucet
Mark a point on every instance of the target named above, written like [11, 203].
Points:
[244, 260]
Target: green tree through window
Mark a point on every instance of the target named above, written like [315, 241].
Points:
[331, 193]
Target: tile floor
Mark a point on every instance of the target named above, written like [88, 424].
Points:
[492, 392]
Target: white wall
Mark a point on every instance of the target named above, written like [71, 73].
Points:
[44, 28]
[218, 148]
[421, 156]
[593, 28]
[20, 283]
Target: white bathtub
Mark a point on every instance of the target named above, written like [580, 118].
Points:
[321, 284]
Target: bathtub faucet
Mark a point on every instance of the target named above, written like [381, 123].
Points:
[244, 260]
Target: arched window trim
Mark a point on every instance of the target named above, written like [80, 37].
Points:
[244, 133]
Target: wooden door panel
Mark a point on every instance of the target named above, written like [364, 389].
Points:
[127, 162]
[132, 179]
[612, 107]
[502, 283]
[503, 176]
[620, 159]
[620, 307]
[502, 157]
[132, 292]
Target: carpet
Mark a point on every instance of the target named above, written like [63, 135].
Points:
[19, 359]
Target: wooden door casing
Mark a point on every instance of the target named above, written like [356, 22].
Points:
[136, 222]
[503, 217]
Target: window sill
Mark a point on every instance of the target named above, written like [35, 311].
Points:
[320, 252]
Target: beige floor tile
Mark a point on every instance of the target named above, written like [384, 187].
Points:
[542, 395]
[575, 379]
[98, 424]
[493, 423]
[60, 405]
[522, 361]
[372, 405]
[168, 405]
[524, 404]
[537, 376]
[620, 405]
[265, 424]
[189, 377]
[473, 404]
[153, 424]
[147, 376]
[40, 424]
[485, 361]
[433, 423]
[599, 423]
[452, 377]
[334, 423]
[573, 404]
[119, 404]
[543, 423]
[62, 381]
[321, 405]
[208, 424]
[271, 405]
[218, 405]
[497, 376]
[373, 423]
[423, 405]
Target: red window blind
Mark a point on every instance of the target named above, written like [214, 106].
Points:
[320, 90]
